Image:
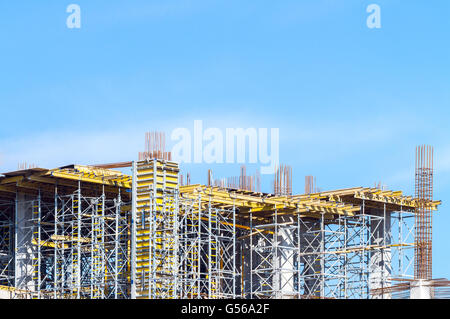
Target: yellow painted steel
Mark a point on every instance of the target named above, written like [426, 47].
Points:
[340, 202]
[157, 187]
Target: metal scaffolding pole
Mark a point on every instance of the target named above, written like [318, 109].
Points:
[7, 242]
[55, 246]
[133, 260]
[37, 234]
[78, 239]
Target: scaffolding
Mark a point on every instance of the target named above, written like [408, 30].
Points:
[329, 257]
[90, 245]
[6, 243]
[155, 249]
[208, 247]
[421, 285]
[64, 241]
[84, 232]
[185, 248]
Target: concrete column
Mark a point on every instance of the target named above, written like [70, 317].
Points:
[251, 260]
[24, 252]
[380, 268]
[246, 270]
[257, 274]
[284, 259]
[421, 289]
[310, 243]
[6, 251]
[7, 293]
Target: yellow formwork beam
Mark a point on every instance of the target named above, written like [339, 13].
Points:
[90, 178]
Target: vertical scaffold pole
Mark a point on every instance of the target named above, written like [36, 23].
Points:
[234, 250]
[276, 276]
[94, 246]
[102, 251]
[176, 248]
[152, 234]
[298, 257]
[79, 242]
[38, 277]
[400, 241]
[383, 252]
[362, 243]
[16, 249]
[322, 260]
[251, 256]
[154, 262]
[345, 259]
[367, 233]
[199, 242]
[55, 248]
[116, 246]
[133, 231]
[209, 250]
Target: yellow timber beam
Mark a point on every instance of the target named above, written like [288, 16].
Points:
[89, 179]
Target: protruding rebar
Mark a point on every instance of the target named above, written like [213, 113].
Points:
[310, 184]
[155, 147]
[282, 185]
[423, 216]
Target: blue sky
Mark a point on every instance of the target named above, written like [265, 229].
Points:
[351, 102]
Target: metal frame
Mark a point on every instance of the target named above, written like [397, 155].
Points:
[68, 245]
[7, 212]
[155, 211]
[82, 241]
[209, 264]
[329, 257]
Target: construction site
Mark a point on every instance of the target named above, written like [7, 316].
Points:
[95, 232]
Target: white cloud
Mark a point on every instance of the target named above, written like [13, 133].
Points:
[54, 149]
[57, 148]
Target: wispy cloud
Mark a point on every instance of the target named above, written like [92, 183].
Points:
[56, 148]
[61, 148]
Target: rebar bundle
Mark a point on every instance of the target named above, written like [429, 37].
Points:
[282, 184]
[310, 185]
[250, 183]
[155, 147]
[423, 216]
